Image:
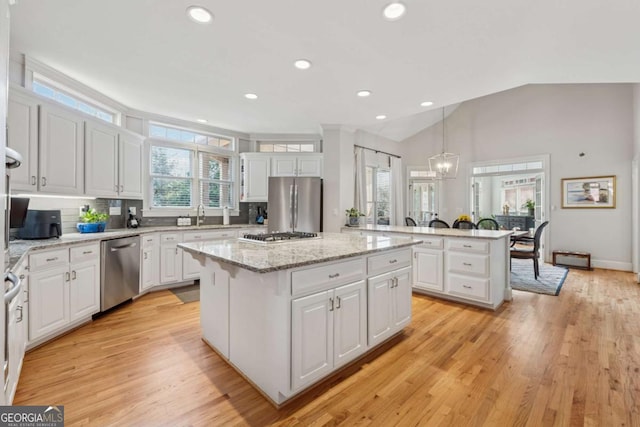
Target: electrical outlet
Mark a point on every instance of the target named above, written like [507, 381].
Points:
[132, 210]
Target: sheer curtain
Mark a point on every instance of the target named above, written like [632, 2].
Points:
[360, 168]
[397, 205]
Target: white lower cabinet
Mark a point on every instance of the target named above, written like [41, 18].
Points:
[16, 335]
[328, 329]
[428, 268]
[389, 296]
[170, 258]
[150, 264]
[64, 288]
[214, 309]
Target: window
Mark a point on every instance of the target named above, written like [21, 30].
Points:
[170, 133]
[378, 195]
[66, 97]
[286, 147]
[171, 177]
[215, 173]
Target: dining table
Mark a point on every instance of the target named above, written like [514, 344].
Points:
[519, 235]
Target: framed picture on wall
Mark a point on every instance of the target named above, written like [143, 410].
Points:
[589, 192]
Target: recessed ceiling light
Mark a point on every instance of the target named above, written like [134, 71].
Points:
[381, 117]
[201, 121]
[251, 96]
[302, 64]
[363, 93]
[394, 11]
[426, 103]
[199, 14]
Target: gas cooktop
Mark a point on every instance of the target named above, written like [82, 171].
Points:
[278, 237]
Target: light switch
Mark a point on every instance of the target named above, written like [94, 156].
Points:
[115, 210]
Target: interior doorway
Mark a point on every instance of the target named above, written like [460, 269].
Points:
[422, 198]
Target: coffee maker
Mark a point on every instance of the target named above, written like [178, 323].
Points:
[41, 224]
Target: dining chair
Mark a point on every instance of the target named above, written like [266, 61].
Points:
[410, 222]
[488, 224]
[464, 225]
[533, 253]
[438, 223]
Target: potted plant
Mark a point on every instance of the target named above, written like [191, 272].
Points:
[353, 216]
[530, 205]
[92, 222]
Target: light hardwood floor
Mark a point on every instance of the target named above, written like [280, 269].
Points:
[539, 360]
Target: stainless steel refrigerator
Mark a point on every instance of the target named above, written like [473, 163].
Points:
[295, 204]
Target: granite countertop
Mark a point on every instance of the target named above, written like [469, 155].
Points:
[18, 249]
[429, 231]
[265, 258]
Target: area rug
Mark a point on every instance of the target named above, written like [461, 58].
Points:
[549, 280]
[187, 294]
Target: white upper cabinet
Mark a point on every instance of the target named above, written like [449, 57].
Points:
[255, 177]
[130, 165]
[61, 151]
[101, 160]
[22, 128]
[309, 164]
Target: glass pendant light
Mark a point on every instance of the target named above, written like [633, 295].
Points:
[443, 165]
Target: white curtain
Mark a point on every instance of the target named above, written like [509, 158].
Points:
[397, 211]
[360, 195]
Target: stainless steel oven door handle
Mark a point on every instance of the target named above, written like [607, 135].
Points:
[15, 288]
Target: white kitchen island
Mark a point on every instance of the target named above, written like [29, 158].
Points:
[468, 266]
[287, 315]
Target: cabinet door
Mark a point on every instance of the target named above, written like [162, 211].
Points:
[283, 166]
[61, 160]
[350, 322]
[101, 160]
[130, 167]
[170, 264]
[84, 290]
[311, 338]
[256, 179]
[190, 267]
[48, 301]
[428, 269]
[16, 344]
[401, 298]
[309, 165]
[22, 128]
[214, 310]
[150, 267]
[379, 312]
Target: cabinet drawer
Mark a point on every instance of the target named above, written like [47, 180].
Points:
[48, 259]
[378, 264]
[149, 240]
[85, 253]
[477, 265]
[197, 236]
[170, 238]
[478, 246]
[326, 276]
[431, 242]
[468, 287]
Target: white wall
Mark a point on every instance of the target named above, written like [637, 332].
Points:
[562, 121]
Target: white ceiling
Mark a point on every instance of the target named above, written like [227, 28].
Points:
[149, 56]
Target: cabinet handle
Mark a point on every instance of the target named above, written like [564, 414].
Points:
[26, 296]
[198, 237]
[21, 276]
[393, 261]
[333, 276]
[427, 243]
[176, 251]
[331, 302]
[338, 306]
[34, 181]
[87, 252]
[467, 287]
[55, 258]
[467, 246]
[116, 187]
[44, 181]
[73, 275]
[19, 309]
[468, 264]
[149, 240]
[121, 188]
[66, 276]
[145, 255]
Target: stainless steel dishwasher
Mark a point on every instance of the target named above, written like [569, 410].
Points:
[120, 272]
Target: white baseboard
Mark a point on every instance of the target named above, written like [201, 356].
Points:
[612, 265]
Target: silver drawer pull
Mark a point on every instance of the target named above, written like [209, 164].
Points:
[468, 264]
[149, 240]
[427, 243]
[393, 261]
[197, 237]
[333, 276]
[467, 246]
[55, 258]
[467, 287]
[87, 252]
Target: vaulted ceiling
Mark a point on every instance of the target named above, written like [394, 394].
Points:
[149, 56]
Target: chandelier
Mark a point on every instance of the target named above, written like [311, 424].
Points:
[443, 165]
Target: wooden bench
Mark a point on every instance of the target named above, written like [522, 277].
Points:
[572, 259]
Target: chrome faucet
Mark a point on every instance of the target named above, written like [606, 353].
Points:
[199, 219]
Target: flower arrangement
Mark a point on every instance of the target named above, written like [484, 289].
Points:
[464, 217]
[529, 204]
[92, 221]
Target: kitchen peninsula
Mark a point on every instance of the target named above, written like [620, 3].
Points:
[288, 314]
[468, 266]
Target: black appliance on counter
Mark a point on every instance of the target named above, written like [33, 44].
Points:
[41, 225]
